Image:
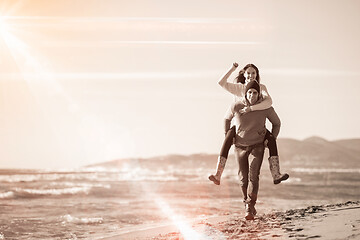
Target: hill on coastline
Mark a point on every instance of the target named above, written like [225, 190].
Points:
[313, 152]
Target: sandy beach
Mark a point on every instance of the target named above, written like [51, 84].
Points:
[335, 221]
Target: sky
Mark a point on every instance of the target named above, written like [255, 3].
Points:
[88, 81]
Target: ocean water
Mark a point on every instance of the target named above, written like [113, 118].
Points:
[92, 203]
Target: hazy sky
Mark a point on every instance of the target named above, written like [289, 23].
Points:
[88, 81]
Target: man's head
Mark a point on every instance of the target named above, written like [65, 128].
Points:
[252, 92]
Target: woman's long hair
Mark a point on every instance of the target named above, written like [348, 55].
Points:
[241, 78]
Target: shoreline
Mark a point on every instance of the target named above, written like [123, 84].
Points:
[332, 221]
[152, 231]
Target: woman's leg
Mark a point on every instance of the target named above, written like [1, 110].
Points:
[228, 141]
[224, 152]
[271, 143]
[274, 162]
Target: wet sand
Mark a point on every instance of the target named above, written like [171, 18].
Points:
[335, 221]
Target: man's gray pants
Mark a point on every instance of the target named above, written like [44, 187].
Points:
[249, 159]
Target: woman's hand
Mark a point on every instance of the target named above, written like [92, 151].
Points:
[234, 66]
[245, 110]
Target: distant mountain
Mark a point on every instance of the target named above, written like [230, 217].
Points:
[318, 152]
[316, 140]
[163, 162]
[309, 153]
[351, 144]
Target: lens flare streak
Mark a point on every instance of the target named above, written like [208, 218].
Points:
[182, 224]
[184, 227]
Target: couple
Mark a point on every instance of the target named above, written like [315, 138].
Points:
[250, 111]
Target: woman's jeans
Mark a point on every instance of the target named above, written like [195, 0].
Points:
[229, 138]
[228, 141]
[249, 159]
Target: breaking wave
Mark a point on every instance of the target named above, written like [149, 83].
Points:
[135, 174]
[54, 192]
[47, 177]
[33, 193]
[7, 195]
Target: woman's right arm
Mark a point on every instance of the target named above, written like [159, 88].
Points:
[234, 88]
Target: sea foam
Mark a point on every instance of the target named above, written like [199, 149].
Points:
[7, 195]
[89, 185]
[52, 192]
[70, 219]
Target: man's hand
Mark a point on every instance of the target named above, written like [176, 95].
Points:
[265, 143]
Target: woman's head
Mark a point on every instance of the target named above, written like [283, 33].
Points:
[248, 73]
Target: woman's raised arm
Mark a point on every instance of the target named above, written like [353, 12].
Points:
[234, 88]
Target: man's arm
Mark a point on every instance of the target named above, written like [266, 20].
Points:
[275, 121]
[227, 123]
[228, 117]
